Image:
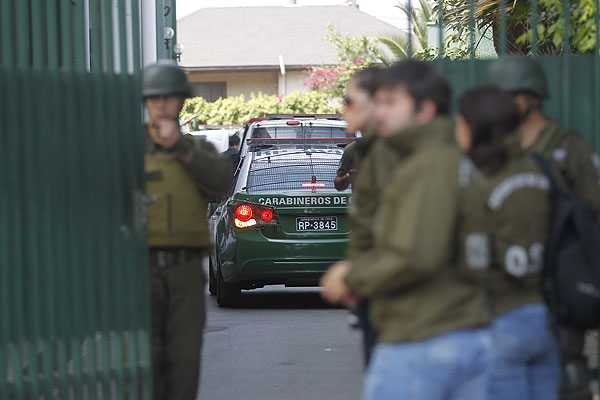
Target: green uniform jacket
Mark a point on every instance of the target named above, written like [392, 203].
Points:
[179, 184]
[409, 276]
[373, 177]
[503, 228]
[354, 153]
[577, 161]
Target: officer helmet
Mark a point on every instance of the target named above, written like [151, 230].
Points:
[165, 79]
[519, 74]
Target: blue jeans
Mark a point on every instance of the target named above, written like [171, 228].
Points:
[524, 357]
[446, 367]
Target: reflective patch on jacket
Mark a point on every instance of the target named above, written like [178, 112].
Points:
[477, 251]
[596, 161]
[514, 183]
[466, 172]
[560, 155]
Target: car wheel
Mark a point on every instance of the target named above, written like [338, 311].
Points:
[212, 281]
[228, 294]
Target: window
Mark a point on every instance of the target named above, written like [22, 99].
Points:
[210, 91]
[301, 132]
[292, 172]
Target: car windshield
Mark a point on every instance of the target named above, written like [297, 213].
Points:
[297, 172]
[300, 132]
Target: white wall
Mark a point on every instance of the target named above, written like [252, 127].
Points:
[239, 83]
[246, 83]
[295, 81]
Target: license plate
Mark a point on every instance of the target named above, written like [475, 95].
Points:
[316, 224]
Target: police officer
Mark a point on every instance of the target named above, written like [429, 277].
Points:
[524, 78]
[502, 242]
[181, 176]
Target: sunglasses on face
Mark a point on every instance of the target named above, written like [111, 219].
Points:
[347, 100]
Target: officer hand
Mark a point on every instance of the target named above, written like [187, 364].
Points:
[334, 287]
[166, 133]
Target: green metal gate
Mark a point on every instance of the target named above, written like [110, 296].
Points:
[74, 309]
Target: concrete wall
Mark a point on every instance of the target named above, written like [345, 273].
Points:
[239, 83]
[295, 81]
[246, 83]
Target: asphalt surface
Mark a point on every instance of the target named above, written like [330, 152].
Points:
[282, 344]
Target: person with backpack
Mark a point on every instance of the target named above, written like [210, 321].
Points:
[505, 217]
[578, 165]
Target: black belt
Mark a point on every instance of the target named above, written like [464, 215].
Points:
[170, 257]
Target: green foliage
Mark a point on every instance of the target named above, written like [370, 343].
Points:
[550, 30]
[420, 16]
[238, 110]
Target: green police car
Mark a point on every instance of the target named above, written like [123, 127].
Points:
[283, 223]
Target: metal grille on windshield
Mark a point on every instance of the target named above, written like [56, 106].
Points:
[284, 173]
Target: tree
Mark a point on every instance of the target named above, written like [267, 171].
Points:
[398, 46]
[353, 53]
[462, 15]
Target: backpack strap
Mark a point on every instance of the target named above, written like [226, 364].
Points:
[547, 169]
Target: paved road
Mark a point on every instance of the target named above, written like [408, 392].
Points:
[284, 344]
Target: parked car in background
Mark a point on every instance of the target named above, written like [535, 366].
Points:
[219, 136]
[284, 222]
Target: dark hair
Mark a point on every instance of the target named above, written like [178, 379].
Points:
[234, 140]
[368, 79]
[492, 116]
[422, 81]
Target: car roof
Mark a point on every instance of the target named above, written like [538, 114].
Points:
[312, 121]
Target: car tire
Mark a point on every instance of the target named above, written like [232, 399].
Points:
[228, 294]
[212, 281]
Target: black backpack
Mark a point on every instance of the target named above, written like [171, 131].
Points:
[571, 272]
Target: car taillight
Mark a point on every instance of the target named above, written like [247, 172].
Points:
[266, 215]
[248, 215]
[244, 212]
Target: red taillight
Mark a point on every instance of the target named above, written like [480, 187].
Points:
[249, 215]
[293, 122]
[266, 215]
[244, 212]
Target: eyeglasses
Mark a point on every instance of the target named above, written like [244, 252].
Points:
[347, 100]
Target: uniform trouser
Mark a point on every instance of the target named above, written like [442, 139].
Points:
[575, 376]
[178, 319]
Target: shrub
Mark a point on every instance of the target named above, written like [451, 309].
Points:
[237, 110]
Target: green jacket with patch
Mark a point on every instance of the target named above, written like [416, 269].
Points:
[179, 185]
[503, 226]
[409, 275]
[576, 160]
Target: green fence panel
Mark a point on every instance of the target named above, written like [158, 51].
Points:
[74, 285]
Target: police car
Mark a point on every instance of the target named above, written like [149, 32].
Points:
[284, 222]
